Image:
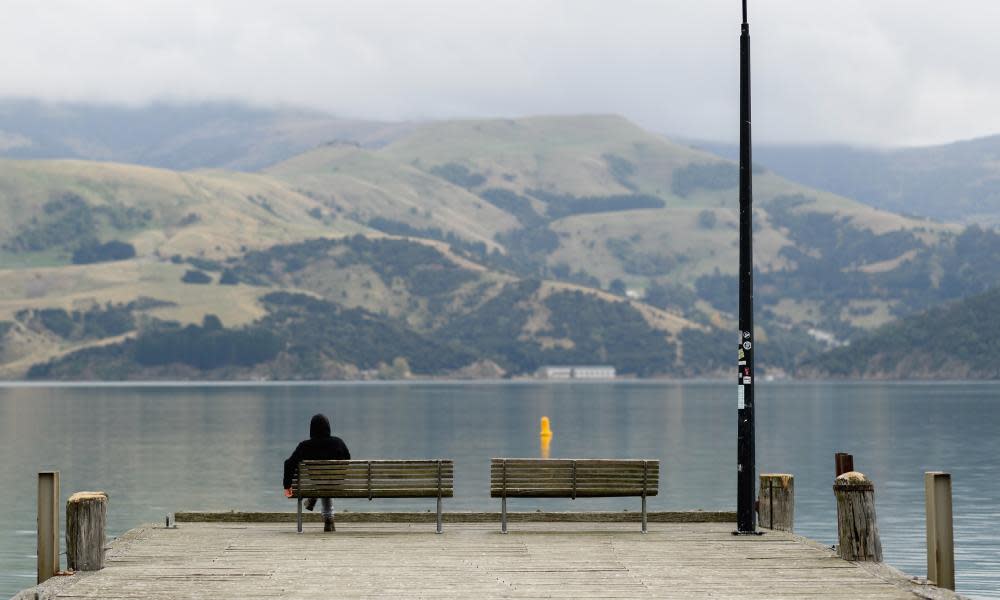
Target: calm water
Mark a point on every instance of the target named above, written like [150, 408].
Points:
[159, 449]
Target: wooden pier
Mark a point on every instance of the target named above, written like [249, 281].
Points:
[558, 558]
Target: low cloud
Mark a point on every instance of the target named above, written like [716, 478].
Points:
[889, 72]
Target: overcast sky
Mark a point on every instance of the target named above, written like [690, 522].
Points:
[883, 72]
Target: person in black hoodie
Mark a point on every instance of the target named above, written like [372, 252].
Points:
[321, 445]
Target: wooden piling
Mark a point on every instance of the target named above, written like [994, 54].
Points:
[48, 524]
[857, 529]
[777, 501]
[940, 537]
[86, 517]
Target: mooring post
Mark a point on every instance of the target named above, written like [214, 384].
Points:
[776, 501]
[86, 517]
[857, 529]
[940, 537]
[48, 524]
[844, 463]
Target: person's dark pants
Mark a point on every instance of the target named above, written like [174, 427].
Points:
[327, 506]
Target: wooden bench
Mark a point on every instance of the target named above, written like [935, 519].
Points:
[374, 479]
[572, 478]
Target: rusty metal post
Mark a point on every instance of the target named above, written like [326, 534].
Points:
[844, 463]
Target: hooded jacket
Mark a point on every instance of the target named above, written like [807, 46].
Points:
[320, 446]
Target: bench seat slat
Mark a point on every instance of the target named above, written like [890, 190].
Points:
[404, 483]
[395, 477]
[567, 493]
[387, 480]
[582, 462]
[364, 474]
[384, 488]
[567, 473]
[375, 474]
[569, 484]
[375, 494]
[373, 485]
[569, 467]
[590, 476]
[364, 469]
[424, 461]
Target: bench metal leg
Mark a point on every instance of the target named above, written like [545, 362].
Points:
[439, 515]
[298, 519]
[503, 515]
[644, 514]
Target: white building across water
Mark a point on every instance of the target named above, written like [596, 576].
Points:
[576, 372]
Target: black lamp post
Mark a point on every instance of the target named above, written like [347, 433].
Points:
[746, 462]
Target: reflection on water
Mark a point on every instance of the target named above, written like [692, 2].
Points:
[159, 449]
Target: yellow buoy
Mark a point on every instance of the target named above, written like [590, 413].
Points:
[545, 437]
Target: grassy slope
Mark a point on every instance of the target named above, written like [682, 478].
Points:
[346, 186]
[568, 155]
[229, 215]
[211, 214]
[363, 184]
[564, 155]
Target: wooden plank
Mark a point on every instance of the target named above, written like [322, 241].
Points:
[567, 493]
[545, 559]
[363, 467]
[691, 516]
[374, 473]
[380, 461]
[414, 493]
[569, 484]
[579, 480]
[579, 461]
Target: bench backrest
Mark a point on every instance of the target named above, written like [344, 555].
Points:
[573, 478]
[374, 479]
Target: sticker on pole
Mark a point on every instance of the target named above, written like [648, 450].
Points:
[740, 404]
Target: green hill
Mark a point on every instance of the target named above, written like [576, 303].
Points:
[574, 184]
[449, 320]
[514, 242]
[951, 341]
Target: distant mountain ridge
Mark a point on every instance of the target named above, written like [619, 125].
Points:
[177, 135]
[957, 182]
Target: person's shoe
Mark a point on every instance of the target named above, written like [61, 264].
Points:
[328, 525]
[310, 503]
